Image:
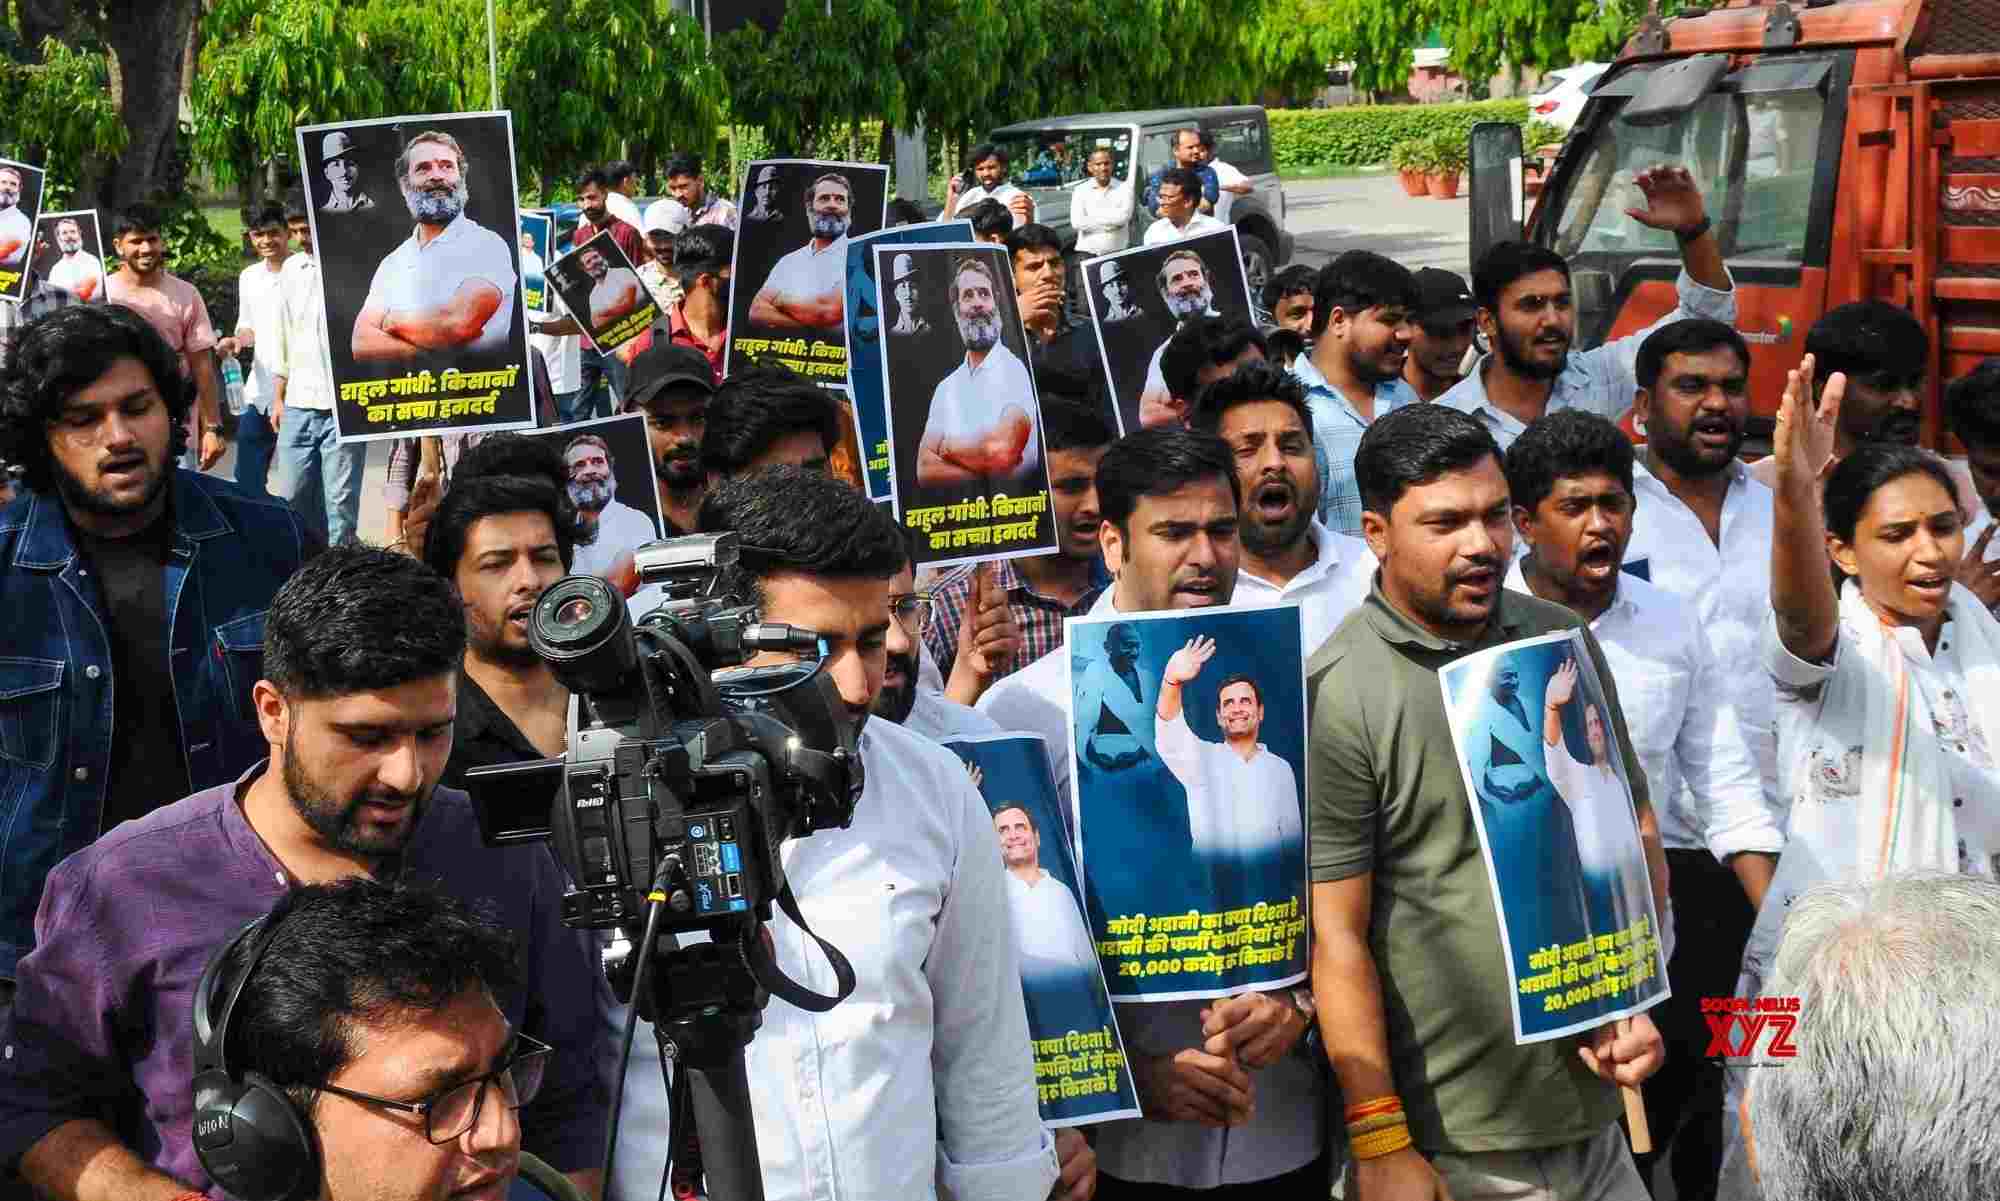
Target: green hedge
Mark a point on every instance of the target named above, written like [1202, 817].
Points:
[1360, 136]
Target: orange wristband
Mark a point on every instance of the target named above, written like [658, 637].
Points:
[1379, 1105]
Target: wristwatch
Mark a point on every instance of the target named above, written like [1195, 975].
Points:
[1309, 1043]
[1684, 236]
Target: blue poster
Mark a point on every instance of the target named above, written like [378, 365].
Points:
[864, 331]
[1546, 780]
[1188, 730]
[1080, 1070]
[537, 231]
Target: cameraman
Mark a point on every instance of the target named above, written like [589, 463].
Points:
[369, 996]
[505, 530]
[355, 700]
[923, 1076]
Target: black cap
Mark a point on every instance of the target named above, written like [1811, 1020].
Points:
[665, 363]
[1442, 296]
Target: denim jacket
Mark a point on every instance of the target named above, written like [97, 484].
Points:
[231, 551]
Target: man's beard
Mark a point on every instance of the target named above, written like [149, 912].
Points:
[1263, 538]
[1516, 358]
[431, 208]
[1898, 427]
[70, 247]
[333, 819]
[490, 643]
[1678, 451]
[894, 704]
[1184, 307]
[828, 227]
[680, 469]
[590, 495]
[80, 495]
[980, 333]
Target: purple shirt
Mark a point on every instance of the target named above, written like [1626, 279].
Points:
[101, 1024]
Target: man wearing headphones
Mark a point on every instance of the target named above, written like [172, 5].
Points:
[351, 1044]
[355, 695]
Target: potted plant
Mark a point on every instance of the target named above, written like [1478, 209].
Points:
[1447, 163]
[1408, 159]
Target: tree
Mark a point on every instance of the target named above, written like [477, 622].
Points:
[815, 71]
[63, 115]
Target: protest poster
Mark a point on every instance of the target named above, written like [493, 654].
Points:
[1139, 297]
[969, 470]
[865, 330]
[1538, 750]
[69, 254]
[1191, 826]
[419, 280]
[20, 204]
[1080, 1070]
[537, 238]
[611, 482]
[597, 284]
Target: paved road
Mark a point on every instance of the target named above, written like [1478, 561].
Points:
[1370, 212]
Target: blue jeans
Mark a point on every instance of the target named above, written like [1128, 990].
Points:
[255, 443]
[317, 475]
[587, 402]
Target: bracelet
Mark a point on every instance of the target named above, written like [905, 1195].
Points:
[1684, 236]
[1380, 1143]
[1381, 1121]
[1368, 1109]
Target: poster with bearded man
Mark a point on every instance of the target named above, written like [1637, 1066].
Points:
[20, 203]
[611, 483]
[1139, 297]
[422, 300]
[69, 254]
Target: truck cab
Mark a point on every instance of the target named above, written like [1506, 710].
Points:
[1047, 158]
[1845, 150]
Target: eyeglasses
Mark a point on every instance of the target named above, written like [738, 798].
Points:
[912, 611]
[455, 1110]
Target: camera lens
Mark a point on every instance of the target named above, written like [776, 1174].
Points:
[581, 629]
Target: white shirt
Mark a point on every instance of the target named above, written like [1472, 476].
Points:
[301, 354]
[624, 209]
[260, 308]
[1101, 216]
[617, 286]
[564, 356]
[73, 271]
[1226, 177]
[1674, 692]
[1285, 1128]
[532, 264]
[1163, 230]
[969, 401]
[1330, 588]
[14, 227]
[1607, 834]
[807, 273]
[940, 719]
[1049, 932]
[923, 1077]
[1237, 807]
[425, 277]
[1002, 194]
[1729, 586]
[620, 528]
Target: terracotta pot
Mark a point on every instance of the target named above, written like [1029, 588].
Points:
[1413, 182]
[1443, 187]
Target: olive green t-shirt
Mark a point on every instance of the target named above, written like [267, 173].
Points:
[1385, 795]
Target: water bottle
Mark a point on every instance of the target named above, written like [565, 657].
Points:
[232, 383]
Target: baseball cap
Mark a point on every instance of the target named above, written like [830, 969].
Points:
[663, 364]
[1442, 297]
[668, 215]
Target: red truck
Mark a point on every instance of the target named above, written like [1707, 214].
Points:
[1847, 149]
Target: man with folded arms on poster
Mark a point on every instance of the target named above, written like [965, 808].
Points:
[982, 417]
[1242, 800]
[16, 234]
[613, 293]
[451, 285]
[1184, 286]
[808, 287]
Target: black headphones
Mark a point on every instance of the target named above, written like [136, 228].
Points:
[250, 1137]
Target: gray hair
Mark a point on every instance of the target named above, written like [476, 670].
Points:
[1895, 1092]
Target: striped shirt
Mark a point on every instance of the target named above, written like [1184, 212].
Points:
[1039, 617]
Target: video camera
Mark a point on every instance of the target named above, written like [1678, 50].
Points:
[684, 771]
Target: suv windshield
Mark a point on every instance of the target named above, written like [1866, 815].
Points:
[1754, 155]
[1047, 162]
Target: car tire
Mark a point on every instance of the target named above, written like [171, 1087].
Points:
[1258, 266]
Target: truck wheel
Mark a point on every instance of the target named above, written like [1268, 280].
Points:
[1258, 264]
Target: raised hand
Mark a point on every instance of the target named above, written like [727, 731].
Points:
[1187, 661]
[1562, 685]
[1802, 444]
[1978, 574]
[1673, 200]
[978, 776]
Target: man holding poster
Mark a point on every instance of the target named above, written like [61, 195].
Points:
[1416, 996]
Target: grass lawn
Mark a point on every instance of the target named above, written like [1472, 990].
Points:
[1331, 171]
[225, 220]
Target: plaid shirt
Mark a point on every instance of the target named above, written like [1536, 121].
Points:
[43, 298]
[1337, 430]
[1039, 617]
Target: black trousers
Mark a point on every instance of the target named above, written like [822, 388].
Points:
[1310, 1182]
[1684, 1099]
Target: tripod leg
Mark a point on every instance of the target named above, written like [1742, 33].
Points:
[728, 1132]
